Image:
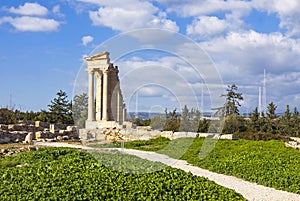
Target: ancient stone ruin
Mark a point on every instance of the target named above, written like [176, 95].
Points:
[109, 109]
[106, 108]
[30, 131]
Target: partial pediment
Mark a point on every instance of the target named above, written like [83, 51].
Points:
[100, 56]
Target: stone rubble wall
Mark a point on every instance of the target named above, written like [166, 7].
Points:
[18, 132]
[115, 134]
[294, 143]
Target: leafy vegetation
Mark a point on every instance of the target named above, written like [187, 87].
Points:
[80, 109]
[267, 163]
[232, 103]
[68, 174]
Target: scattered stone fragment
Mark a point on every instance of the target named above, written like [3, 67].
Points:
[23, 165]
[28, 138]
[32, 148]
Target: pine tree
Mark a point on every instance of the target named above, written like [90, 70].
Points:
[295, 120]
[254, 123]
[232, 101]
[285, 124]
[271, 119]
[184, 122]
[61, 109]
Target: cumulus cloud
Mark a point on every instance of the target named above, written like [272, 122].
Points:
[190, 8]
[287, 11]
[130, 14]
[206, 26]
[241, 57]
[34, 24]
[56, 11]
[86, 39]
[31, 18]
[29, 9]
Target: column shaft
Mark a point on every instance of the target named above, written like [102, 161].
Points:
[105, 94]
[99, 97]
[118, 104]
[91, 104]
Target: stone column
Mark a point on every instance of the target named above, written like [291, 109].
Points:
[124, 114]
[118, 104]
[91, 104]
[99, 96]
[105, 94]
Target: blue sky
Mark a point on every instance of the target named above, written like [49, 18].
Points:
[43, 43]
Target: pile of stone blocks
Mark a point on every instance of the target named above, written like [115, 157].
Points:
[39, 131]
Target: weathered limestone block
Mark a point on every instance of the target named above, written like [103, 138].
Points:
[38, 135]
[65, 137]
[167, 134]
[52, 128]
[41, 124]
[28, 138]
[227, 137]
[72, 128]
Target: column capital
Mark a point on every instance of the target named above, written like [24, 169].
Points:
[90, 70]
[98, 72]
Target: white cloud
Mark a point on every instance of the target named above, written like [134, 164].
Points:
[34, 24]
[33, 9]
[241, 57]
[86, 39]
[251, 51]
[128, 15]
[287, 11]
[192, 8]
[56, 11]
[206, 26]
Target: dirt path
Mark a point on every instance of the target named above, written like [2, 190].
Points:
[250, 191]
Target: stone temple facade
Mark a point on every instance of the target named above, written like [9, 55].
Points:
[106, 108]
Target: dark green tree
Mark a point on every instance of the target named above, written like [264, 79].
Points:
[285, 125]
[203, 126]
[7, 116]
[158, 123]
[172, 121]
[272, 119]
[295, 120]
[232, 102]
[185, 124]
[254, 122]
[61, 109]
[79, 109]
[234, 124]
[30, 116]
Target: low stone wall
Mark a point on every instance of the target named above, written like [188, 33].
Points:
[115, 134]
[18, 132]
[21, 127]
[9, 137]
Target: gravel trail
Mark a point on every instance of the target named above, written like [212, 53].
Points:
[251, 191]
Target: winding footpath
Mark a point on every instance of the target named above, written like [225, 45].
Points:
[251, 191]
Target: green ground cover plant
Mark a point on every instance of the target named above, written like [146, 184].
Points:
[70, 174]
[145, 145]
[268, 163]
